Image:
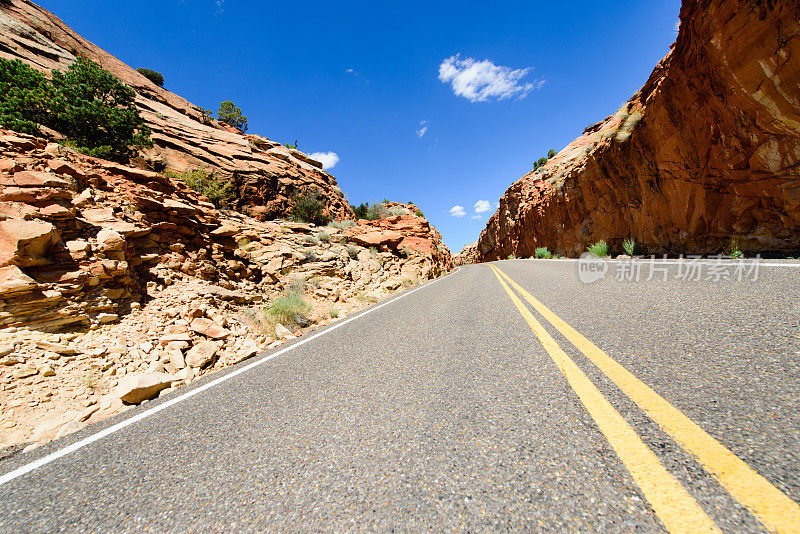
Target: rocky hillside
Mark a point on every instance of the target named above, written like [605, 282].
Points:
[265, 172]
[706, 152]
[117, 283]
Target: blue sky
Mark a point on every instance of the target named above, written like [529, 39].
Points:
[496, 84]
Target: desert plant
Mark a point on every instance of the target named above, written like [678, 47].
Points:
[333, 312]
[599, 249]
[512, 257]
[543, 253]
[229, 113]
[539, 163]
[206, 115]
[629, 246]
[285, 308]
[735, 251]
[155, 77]
[370, 212]
[26, 97]
[308, 206]
[353, 251]
[341, 224]
[310, 255]
[324, 237]
[294, 146]
[218, 190]
[93, 108]
[310, 240]
[396, 211]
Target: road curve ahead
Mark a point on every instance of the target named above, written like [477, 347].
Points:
[506, 396]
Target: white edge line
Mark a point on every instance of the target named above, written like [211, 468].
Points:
[746, 261]
[27, 468]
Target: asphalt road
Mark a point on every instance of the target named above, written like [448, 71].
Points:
[441, 409]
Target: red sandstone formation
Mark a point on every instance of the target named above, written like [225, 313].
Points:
[266, 173]
[706, 152]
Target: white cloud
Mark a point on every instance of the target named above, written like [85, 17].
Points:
[474, 217]
[220, 6]
[349, 71]
[422, 131]
[328, 159]
[482, 206]
[457, 211]
[479, 81]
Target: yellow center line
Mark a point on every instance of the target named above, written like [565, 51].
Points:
[773, 508]
[673, 505]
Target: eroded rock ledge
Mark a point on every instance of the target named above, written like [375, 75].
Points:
[117, 283]
[707, 151]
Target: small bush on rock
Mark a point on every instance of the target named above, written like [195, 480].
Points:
[629, 246]
[229, 113]
[308, 206]
[287, 307]
[219, 191]
[543, 253]
[599, 249]
[155, 77]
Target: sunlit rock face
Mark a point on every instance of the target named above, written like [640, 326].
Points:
[706, 152]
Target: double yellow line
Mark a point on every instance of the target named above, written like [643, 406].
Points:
[676, 509]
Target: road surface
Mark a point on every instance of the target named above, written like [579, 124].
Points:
[518, 398]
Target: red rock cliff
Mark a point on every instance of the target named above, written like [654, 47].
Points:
[266, 173]
[706, 151]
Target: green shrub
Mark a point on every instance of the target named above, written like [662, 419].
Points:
[334, 313]
[735, 251]
[287, 307]
[308, 206]
[353, 251]
[310, 240]
[539, 163]
[370, 212]
[396, 211]
[91, 107]
[543, 253]
[419, 213]
[324, 237]
[155, 77]
[294, 146]
[229, 113]
[94, 109]
[599, 249]
[206, 115]
[26, 97]
[629, 246]
[512, 257]
[342, 224]
[219, 191]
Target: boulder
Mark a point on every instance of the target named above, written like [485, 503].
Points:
[376, 239]
[208, 328]
[25, 243]
[133, 389]
[201, 354]
[110, 240]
